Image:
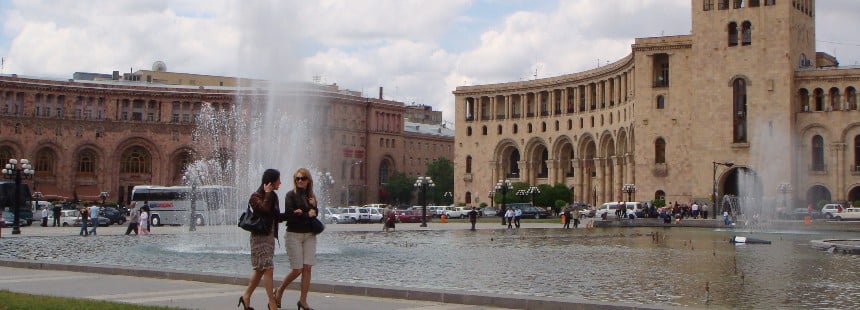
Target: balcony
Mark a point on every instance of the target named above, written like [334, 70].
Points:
[500, 116]
[470, 118]
[855, 170]
[818, 169]
[515, 116]
[530, 114]
[659, 83]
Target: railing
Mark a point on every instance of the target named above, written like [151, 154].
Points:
[661, 83]
[500, 116]
[818, 169]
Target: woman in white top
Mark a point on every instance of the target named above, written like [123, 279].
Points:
[144, 220]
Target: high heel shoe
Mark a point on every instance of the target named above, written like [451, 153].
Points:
[242, 303]
[277, 299]
[300, 307]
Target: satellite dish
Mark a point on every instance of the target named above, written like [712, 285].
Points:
[159, 66]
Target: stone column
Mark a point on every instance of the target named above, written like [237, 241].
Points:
[553, 171]
[600, 166]
[839, 174]
[576, 165]
[524, 172]
[617, 164]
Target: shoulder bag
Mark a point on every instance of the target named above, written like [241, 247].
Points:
[254, 223]
[317, 226]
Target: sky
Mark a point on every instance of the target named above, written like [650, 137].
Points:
[418, 51]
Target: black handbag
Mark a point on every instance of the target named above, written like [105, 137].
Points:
[254, 223]
[317, 226]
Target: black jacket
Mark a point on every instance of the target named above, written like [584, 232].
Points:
[266, 205]
[298, 199]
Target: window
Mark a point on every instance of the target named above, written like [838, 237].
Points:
[660, 151]
[738, 4]
[468, 164]
[661, 102]
[804, 100]
[86, 162]
[817, 153]
[516, 128]
[44, 162]
[835, 102]
[484, 130]
[723, 4]
[739, 112]
[529, 130]
[746, 33]
[569, 124]
[755, 3]
[769, 2]
[819, 99]
[543, 127]
[733, 34]
[468, 133]
[851, 98]
[708, 5]
[857, 153]
[661, 70]
[135, 160]
[5, 154]
[499, 130]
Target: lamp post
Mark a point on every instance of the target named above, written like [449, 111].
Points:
[325, 181]
[784, 188]
[629, 189]
[422, 183]
[714, 189]
[17, 170]
[504, 186]
[449, 195]
[533, 191]
[103, 196]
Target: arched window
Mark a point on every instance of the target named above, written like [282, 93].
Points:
[661, 102]
[513, 164]
[383, 172]
[516, 128]
[660, 194]
[660, 151]
[135, 160]
[542, 126]
[835, 102]
[499, 130]
[851, 98]
[544, 170]
[556, 126]
[569, 124]
[468, 132]
[733, 34]
[529, 128]
[817, 153]
[739, 106]
[5, 154]
[44, 162]
[804, 99]
[746, 33]
[857, 153]
[483, 130]
[469, 164]
[86, 161]
[182, 161]
[819, 99]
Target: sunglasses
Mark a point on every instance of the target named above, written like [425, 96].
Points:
[301, 179]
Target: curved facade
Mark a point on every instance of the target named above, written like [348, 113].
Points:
[746, 87]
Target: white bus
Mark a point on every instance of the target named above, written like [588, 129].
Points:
[171, 205]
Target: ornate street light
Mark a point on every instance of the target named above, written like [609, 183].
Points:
[504, 186]
[449, 195]
[728, 164]
[17, 170]
[422, 183]
[325, 181]
[629, 189]
[785, 189]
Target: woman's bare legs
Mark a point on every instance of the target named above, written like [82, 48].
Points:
[306, 285]
[252, 284]
[295, 273]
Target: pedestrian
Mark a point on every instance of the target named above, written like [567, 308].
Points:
[473, 217]
[84, 216]
[57, 210]
[143, 224]
[264, 202]
[567, 216]
[705, 211]
[390, 219]
[133, 220]
[518, 213]
[509, 215]
[44, 216]
[94, 218]
[300, 205]
[575, 223]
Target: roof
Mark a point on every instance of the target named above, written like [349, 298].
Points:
[425, 129]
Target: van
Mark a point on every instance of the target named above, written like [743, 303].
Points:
[610, 207]
[7, 200]
[37, 209]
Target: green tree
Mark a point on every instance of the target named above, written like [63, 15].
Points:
[399, 188]
[441, 171]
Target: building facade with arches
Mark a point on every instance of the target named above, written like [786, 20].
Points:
[746, 87]
[88, 136]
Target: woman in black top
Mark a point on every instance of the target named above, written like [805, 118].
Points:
[300, 206]
[264, 202]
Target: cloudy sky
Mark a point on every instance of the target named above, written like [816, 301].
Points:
[418, 50]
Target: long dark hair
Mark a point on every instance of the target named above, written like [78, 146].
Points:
[269, 176]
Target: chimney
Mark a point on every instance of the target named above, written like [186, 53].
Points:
[380, 92]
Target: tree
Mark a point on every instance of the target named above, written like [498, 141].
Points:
[441, 171]
[399, 188]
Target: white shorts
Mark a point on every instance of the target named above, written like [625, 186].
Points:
[301, 249]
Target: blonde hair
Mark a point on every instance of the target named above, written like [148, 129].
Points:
[306, 173]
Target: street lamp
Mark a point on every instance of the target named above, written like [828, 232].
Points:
[449, 195]
[325, 181]
[423, 183]
[103, 196]
[504, 186]
[14, 170]
[38, 196]
[784, 188]
[728, 164]
[629, 189]
[533, 191]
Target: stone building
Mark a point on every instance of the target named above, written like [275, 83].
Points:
[743, 105]
[111, 134]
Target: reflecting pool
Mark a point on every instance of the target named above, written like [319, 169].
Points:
[656, 266]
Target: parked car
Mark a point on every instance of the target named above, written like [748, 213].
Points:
[457, 212]
[848, 214]
[370, 215]
[588, 212]
[114, 215]
[488, 211]
[351, 214]
[532, 212]
[67, 217]
[830, 209]
[610, 208]
[801, 213]
[9, 219]
[408, 216]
